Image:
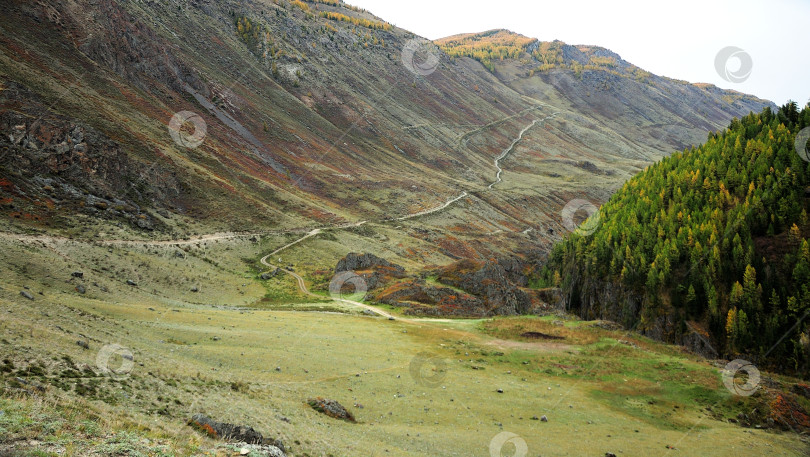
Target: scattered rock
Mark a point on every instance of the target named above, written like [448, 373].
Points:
[195, 289]
[261, 450]
[26, 294]
[77, 274]
[331, 408]
[216, 338]
[83, 344]
[131, 282]
[543, 418]
[81, 289]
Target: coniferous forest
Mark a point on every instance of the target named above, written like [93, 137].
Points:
[711, 242]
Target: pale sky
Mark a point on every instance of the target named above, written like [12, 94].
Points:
[676, 39]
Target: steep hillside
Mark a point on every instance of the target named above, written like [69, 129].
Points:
[707, 247]
[314, 114]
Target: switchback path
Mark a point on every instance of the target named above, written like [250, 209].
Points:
[302, 284]
[512, 147]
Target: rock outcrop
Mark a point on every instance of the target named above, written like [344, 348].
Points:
[230, 432]
[424, 299]
[477, 289]
[491, 282]
[376, 271]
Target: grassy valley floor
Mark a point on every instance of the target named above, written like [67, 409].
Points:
[240, 350]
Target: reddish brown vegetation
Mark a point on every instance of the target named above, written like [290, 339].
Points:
[786, 411]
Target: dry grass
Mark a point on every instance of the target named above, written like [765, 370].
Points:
[516, 328]
[353, 359]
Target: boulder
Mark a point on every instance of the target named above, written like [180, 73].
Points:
[331, 408]
[77, 274]
[225, 431]
[81, 289]
[131, 282]
[26, 294]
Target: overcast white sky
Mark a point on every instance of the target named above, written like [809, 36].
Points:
[675, 39]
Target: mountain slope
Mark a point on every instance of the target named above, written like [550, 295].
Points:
[707, 247]
[312, 120]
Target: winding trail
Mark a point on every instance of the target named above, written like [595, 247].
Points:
[48, 239]
[302, 284]
[512, 147]
[432, 210]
